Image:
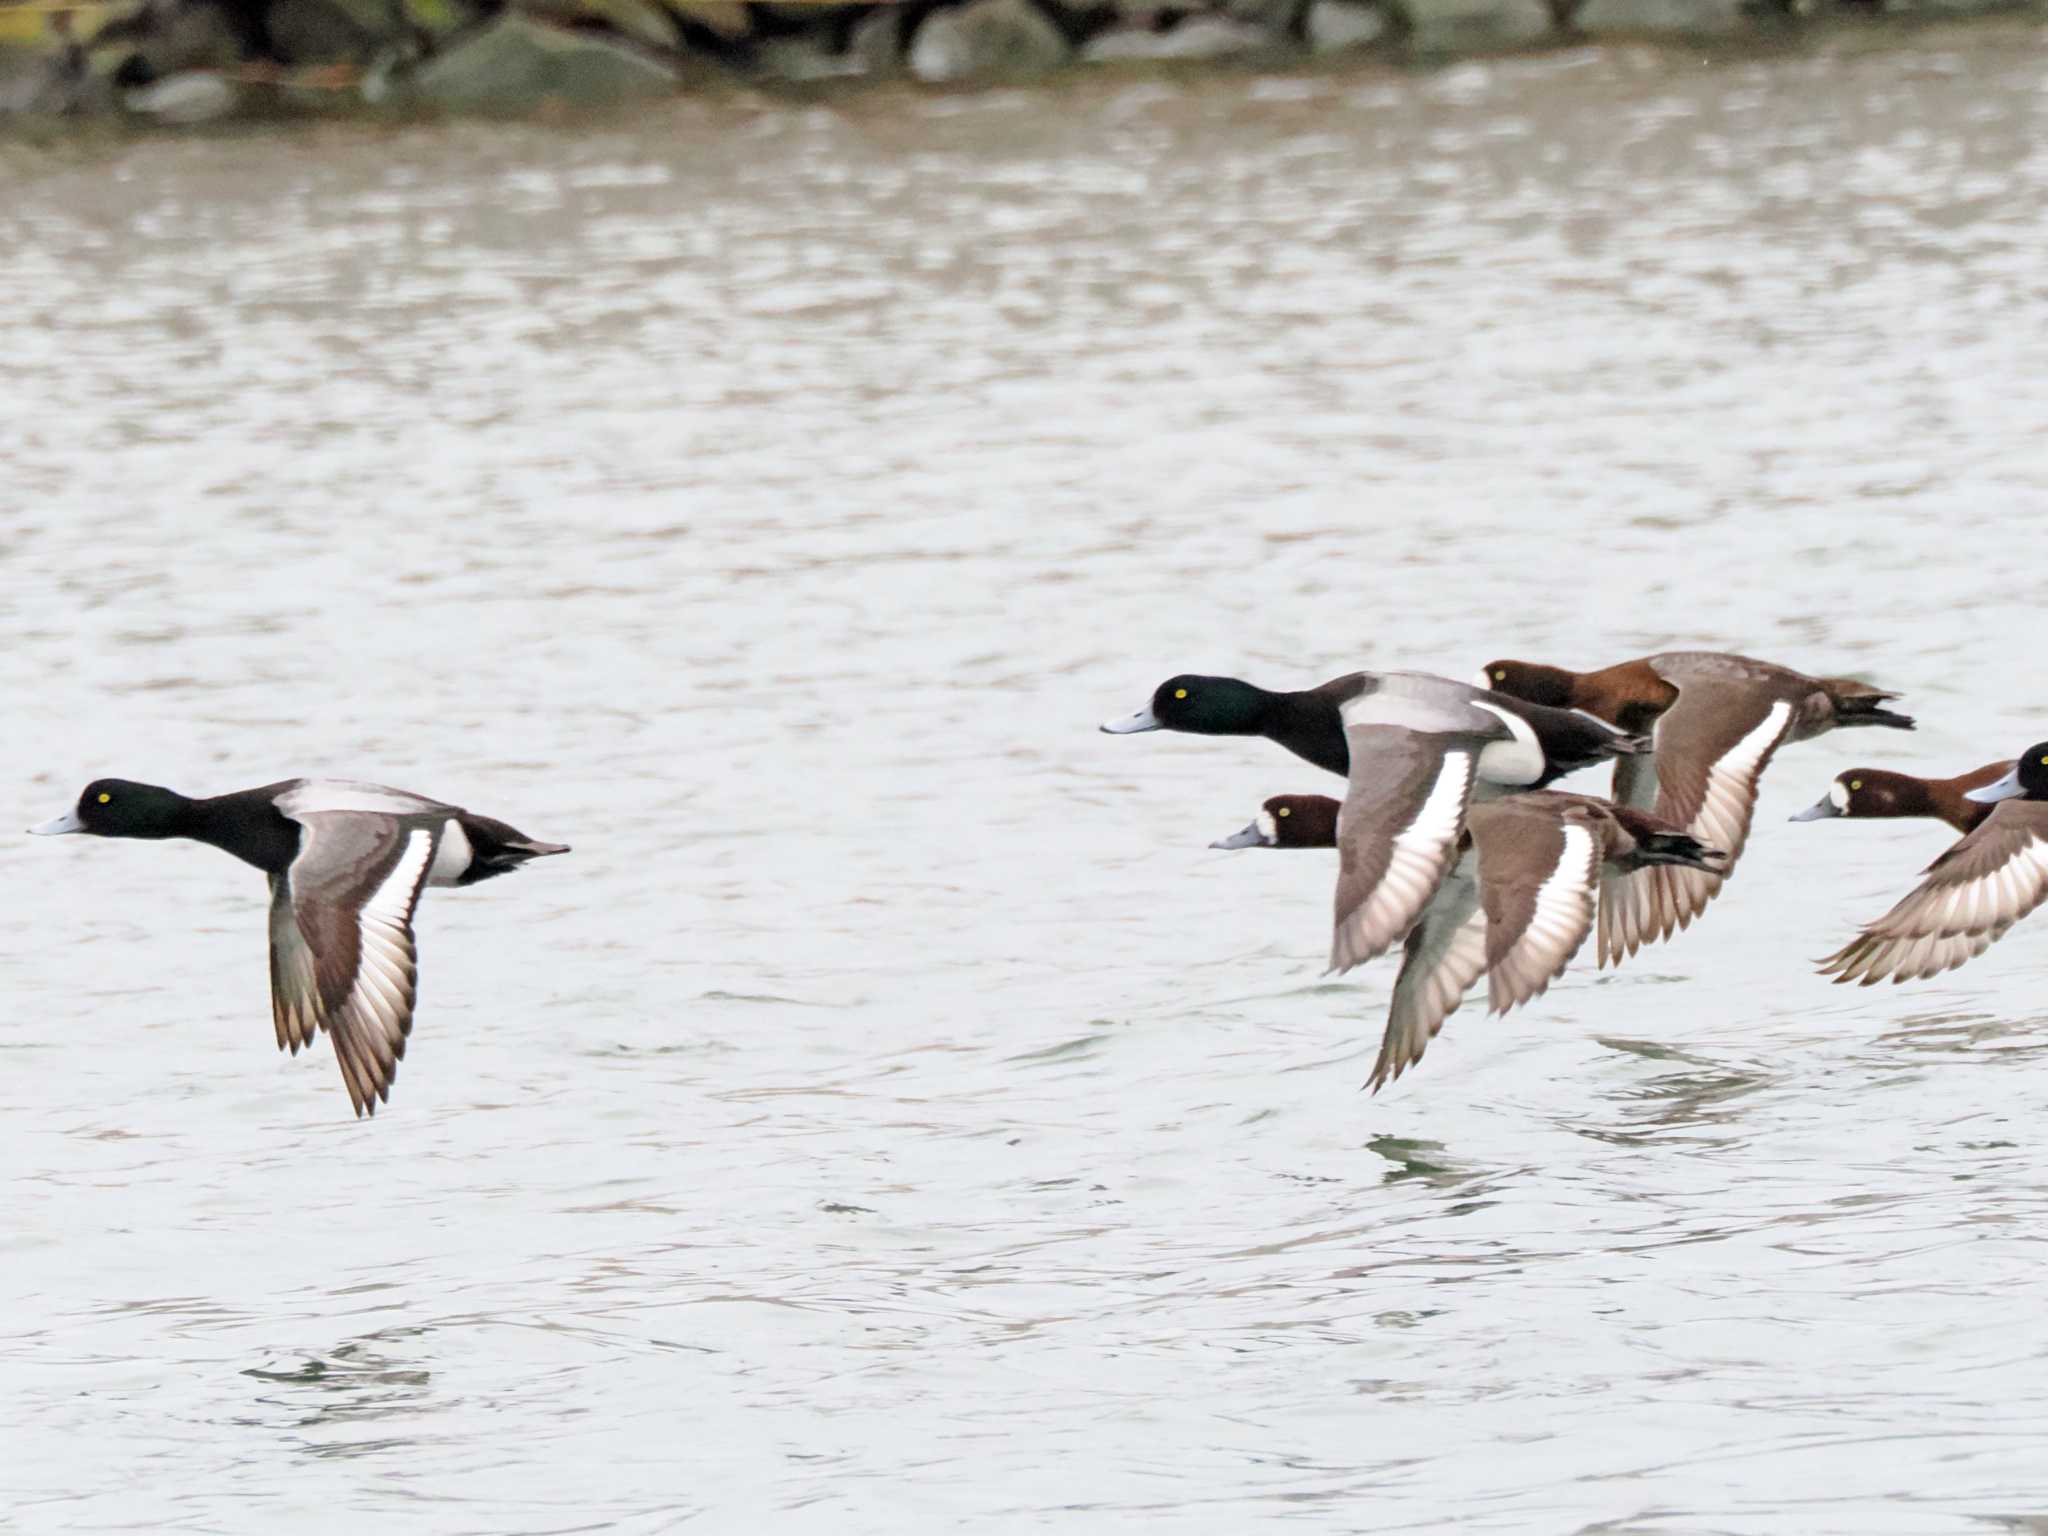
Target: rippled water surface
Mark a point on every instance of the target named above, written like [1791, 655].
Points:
[892, 1116]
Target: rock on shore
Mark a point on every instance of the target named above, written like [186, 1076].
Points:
[189, 61]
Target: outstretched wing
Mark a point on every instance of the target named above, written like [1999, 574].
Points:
[1536, 874]
[1711, 748]
[341, 944]
[1397, 833]
[1971, 895]
[1445, 953]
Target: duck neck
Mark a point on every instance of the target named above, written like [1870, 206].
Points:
[1630, 695]
[1309, 725]
[1945, 798]
[246, 825]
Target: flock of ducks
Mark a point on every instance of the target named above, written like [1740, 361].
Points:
[1448, 839]
[1450, 843]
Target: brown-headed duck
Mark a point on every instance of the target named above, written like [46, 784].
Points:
[1519, 745]
[347, 862]
[1871, 793]
[1971, 895]
[1715, 720]
[1516, 904]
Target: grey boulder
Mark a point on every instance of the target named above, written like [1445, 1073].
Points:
[989, 39]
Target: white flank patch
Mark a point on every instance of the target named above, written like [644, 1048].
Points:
[312, 796]
[453, 856]
[1516, 761]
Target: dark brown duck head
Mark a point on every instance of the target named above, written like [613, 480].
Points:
[1872, 794]
[1288, 821]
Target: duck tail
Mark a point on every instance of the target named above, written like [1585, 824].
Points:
[505, 858]
[1678, 848]
[499, 849]
[1658, 841]
[1860, 704]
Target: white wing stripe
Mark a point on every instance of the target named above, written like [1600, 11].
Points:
[1416, 857]
[1731, 779]
[1563, 911]
[1663, 899]
[1934, 930]
[392, 901]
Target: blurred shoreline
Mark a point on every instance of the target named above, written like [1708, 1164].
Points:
[183, 62]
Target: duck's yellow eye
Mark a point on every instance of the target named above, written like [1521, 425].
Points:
[1855, 783]
[1180, 693]
[1500, 674]
[105, 797]
[1286, 810]
[2044, 762]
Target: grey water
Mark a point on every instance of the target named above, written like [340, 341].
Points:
[892, 1116]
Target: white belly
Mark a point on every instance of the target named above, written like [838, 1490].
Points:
[453, 856]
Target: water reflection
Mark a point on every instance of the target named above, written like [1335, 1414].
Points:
[350, 1384]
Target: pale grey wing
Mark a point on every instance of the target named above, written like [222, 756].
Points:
[1537, 891]
[1445, 954]
[1397, 834]
[1711, 748]
[1423, 702]
[353, 888]
[1972, 894]
[294, 992]
[312, 797]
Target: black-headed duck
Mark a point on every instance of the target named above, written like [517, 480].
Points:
[347, 862]
[1520, 746]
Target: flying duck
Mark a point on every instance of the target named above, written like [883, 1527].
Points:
[1516, 904]
[1715, 720]
[1870, 793]
[1520, 745]
[1971, 895]
[346, 862]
